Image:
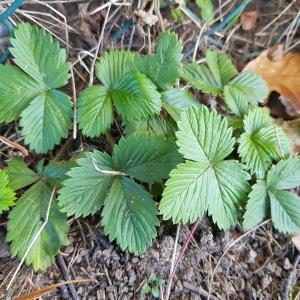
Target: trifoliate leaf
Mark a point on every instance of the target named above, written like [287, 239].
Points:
[220, 66]
[147, 158]
[174, 101]
[17, 89]
[84, 191]
[203, 135]
[262, 142]
[95, 115]
[208, 183]
[25, 221]
[163, 68]
[207, 10]
[136, 97]
[258, 205]
[19, 174]
[245, 89]
[151, 126]
[46, 120]
[45, 112]
[36, 54]
[113, 65]
[285, 206]
[129, 215]
[212, 77]
[7, 195]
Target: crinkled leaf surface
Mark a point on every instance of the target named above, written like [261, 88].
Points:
[147, 158]
[95, 115]
[25, 221]
[244, 90]
[136, 97]
[19, 174]
[46, 120]
[262, 142]
[175, 101]
[205, 182]
[36, 54]
[163, 68]
[45, 112]
[113, 65]
[129, 215]
[84, 191]
[7, 195]
[284, 205]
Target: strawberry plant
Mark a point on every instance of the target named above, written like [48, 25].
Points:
[222, 166]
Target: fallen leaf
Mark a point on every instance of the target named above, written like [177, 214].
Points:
[248, 20]
[281, 75]
[40, 292]
[296, 240]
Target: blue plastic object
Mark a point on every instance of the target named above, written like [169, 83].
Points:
[4, 20]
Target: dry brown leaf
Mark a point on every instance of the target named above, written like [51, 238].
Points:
[248, 20]
[296, 240]
[281, 75]
[40, 292]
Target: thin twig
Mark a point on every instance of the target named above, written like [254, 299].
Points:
[98, 46]
[106, 172]
[181, 254]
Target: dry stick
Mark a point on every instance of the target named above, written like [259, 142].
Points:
[168, 289]
[198, 41]
[98, 46]
[33, 241]
[65, 272]
[229, 247]
[275, 19]
[158, 14]
[181, 254]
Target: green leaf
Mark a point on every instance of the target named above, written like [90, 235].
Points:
[207, 10]
[286, 174]
[262, 142]
[200, 77]
[84, 192]
[211, 78]
[145, 289]
[36, 54]
[163, 68]
[236, 101]
[155, 292]
[208, 183]
[113, 65]
[25, 221]
[129, 215]
[220, 66]
[46, 120]
[285, 206]
[176, 100]
[95, 114]
[153, 126]
[55, 173]
[7, 195]
[203, 135]
[19, 174]
[17, 89]
[136, 97]
[257, 206]
[148, 159]
[245, 89]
